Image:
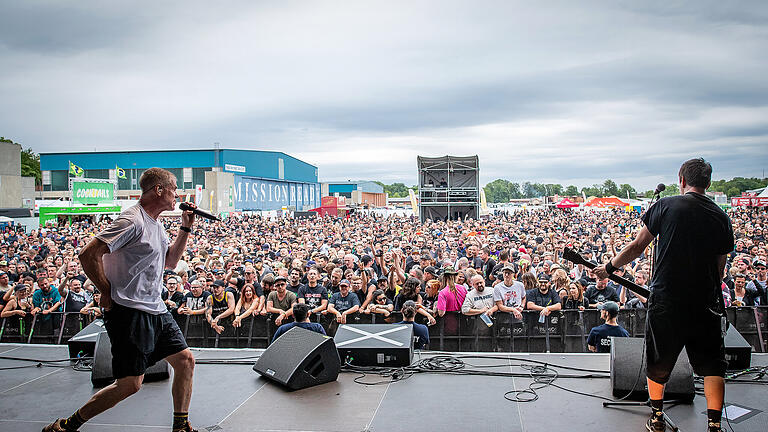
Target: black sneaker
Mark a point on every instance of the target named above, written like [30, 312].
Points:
[187, 428]
[656, 422]
[57, 426]
[714, 427]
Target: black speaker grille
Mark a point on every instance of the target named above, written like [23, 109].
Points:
[300, 358]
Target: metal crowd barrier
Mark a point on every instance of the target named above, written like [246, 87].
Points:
[52, 328]
[562, 331]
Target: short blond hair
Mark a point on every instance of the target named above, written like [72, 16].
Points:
[155, 176]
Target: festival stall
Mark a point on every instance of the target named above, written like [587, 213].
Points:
[332, 206]
[605, 202]
[748, 199]
[566, 203]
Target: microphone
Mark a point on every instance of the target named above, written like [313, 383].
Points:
[197, 211]
[659, 189]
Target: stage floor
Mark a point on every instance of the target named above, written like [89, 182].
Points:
[234, 398]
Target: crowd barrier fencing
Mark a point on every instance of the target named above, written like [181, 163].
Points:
[562, 331]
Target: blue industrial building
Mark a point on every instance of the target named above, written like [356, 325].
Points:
[263, 180]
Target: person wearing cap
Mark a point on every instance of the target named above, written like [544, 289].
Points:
[759, 283]
[540, 296]
[300, 312]
[280, 301]
[451, 296]
[219, 306]
[420, 331]
[509, 294]
[343, 303]
[18, 304]
[430, 273]
[195, 300]
[599, 339]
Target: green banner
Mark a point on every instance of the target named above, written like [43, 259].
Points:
[92, 193]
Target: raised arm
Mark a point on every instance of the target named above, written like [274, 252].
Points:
[176, 249]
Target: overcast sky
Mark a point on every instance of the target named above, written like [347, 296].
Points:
[569, 92]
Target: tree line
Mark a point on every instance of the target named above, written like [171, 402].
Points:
[501, 190]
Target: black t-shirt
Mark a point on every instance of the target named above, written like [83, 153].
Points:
[400, 300]
[693, 232]
[601, 296]
[294, 289]
[195, 303]
[313, 296]
[569, 303]
[543, 300]
[488, 267]
[428, 302]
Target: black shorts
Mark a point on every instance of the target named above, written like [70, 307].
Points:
[670, 327]
[140, 339]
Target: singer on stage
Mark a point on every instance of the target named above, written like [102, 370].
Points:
[686, 306]
[126, 263]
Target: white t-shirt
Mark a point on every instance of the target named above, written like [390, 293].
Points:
[510, 296]
[134, 267]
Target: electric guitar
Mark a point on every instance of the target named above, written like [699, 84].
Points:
[574, 257]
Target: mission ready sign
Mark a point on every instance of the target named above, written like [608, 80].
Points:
[258, 194]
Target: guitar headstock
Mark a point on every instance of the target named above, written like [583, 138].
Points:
[574, 257]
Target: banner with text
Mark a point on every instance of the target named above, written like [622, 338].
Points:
[257, 194]
[92, 192]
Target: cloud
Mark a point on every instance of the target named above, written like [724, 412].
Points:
[551, 92]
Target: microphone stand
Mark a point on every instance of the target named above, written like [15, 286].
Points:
[621, 402]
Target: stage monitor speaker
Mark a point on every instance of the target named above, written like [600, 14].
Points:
[300, 358]
[386, 345]
[738, 351]
[628, 377]
[101, 373]
[83, 344]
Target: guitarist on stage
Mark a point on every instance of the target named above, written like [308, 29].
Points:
[686, 307]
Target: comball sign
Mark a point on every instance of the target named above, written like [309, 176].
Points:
[92, 192]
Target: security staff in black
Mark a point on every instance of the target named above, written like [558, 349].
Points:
[686, 307]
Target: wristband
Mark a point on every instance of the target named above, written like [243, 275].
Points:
[610, 267]
[185, 229]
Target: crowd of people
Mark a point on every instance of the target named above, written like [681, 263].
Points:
[369, 264]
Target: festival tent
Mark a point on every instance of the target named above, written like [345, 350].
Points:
[566, 203]
[611, 201]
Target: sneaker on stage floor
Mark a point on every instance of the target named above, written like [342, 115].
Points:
[656, 422]
[56, 426]
[714, 427]
[187, 428]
